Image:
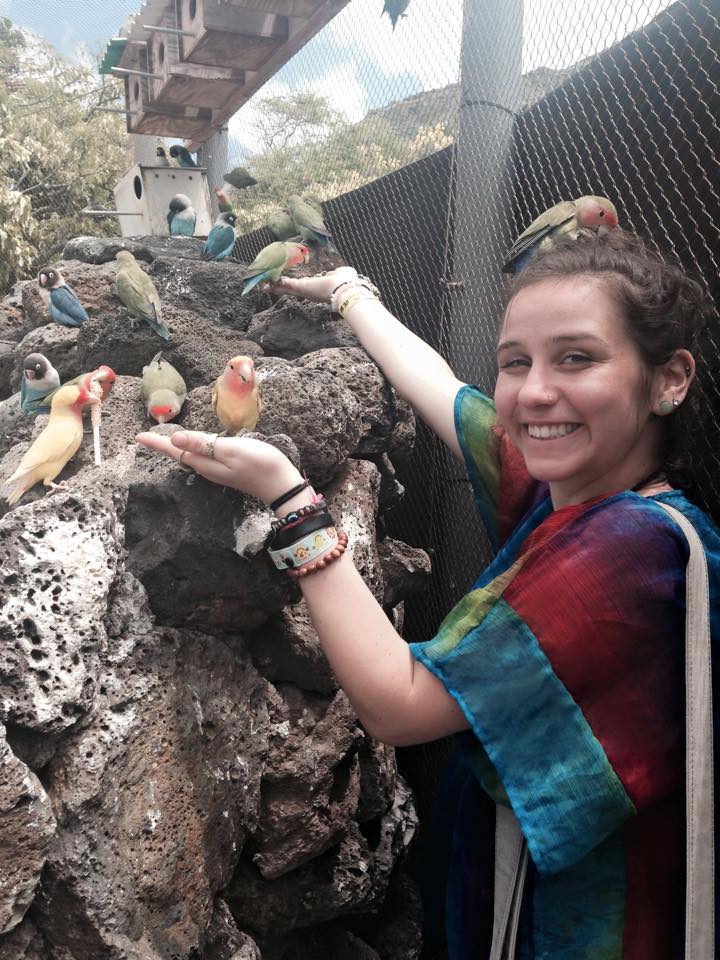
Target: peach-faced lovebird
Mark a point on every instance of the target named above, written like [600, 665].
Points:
[181, 217]
[589, 213]
[224, 204]
[182, 155]
[240, 178]
[221, 238]
[39, 379]
[395, 9]
[236, 396]
[60, 299]
[309, 223]
[57, 443]
[138, 293]
[163, 389]
[281, 225]
[272, 260]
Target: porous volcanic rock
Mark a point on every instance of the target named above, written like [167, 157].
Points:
[211, 290]
[154, 796]
[293, 327]
[24, 943]
[351, 877]
[59, 559]
[15, 426]
[223, 940]
[405, 570]
[27, 826]
[311, 787]
[103, 249]
[326, 941]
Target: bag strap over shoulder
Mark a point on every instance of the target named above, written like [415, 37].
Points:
[700, 885]
[510, 848]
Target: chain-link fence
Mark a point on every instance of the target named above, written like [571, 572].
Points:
[431, 145]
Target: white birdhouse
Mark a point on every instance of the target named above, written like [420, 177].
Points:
[142, 199]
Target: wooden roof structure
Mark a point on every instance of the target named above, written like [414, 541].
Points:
[189, 65]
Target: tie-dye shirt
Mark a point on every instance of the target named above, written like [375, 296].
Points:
[566, 658]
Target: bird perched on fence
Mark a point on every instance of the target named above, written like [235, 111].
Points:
[39, 379]
[163, 389]
[236, 396]
[181, 218]
[161, 157]
[281, 225]
[138, 293]
[240, 178]
[182, 155]
[309, 223]
[60, 299]
[221, 238]
[224, 204]
[568, 217]
[395, 9]
[272, 261]
[55, 445]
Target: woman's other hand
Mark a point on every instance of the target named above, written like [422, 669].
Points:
[251, 466]
[317, 288]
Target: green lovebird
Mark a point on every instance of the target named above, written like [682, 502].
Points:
[589, 213]
[272, 260]
[240, 178]
[163, 389]
[395, 9]
[309, 223]
[281, 225]
[138, 293]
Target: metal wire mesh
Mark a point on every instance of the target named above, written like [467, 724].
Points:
[432, 145]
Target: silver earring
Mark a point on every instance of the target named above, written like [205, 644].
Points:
[675, 402]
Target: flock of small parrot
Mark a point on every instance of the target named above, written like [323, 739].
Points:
[236, 397]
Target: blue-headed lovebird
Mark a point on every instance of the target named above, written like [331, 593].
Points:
[181, 217]
[221, 238]
[60, 299]
[182, 155]
[39, 379]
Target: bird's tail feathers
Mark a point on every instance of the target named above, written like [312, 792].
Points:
[18, 482]
[253, 282]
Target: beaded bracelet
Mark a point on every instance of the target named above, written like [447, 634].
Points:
[307, 568]
[290, 535]
[290, 519]
[360, 282]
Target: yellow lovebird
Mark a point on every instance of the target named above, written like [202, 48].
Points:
[236, 396]
[56, 445]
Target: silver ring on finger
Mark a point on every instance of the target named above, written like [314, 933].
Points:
[210, 446]
[180, 461]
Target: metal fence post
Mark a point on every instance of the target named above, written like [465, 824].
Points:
[214, 157]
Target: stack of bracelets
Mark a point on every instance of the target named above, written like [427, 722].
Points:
[350, 292]
[306, 539]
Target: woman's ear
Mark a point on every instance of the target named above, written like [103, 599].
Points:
[672, 380]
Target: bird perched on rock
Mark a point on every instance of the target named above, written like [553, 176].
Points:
[55, 446]
[181, 217]
[281, 225]
[272, 261]
[309, 223]
[221, 238]
[60, 299]
[224, 204]
[138, 293]
[395, 9]
[161, 157]
[182, 155]
[240, 178]
[236, 396]
[163, 389]
[39, 379]
[568, 217]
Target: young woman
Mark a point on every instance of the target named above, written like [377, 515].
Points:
[563, 666]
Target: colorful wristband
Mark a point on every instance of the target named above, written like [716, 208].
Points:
[306, 550]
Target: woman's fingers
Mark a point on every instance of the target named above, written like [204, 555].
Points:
[193, 449]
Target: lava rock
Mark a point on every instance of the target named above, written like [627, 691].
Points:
[103, 249]
[293, 327]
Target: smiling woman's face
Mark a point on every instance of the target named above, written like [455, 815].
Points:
[573, 392]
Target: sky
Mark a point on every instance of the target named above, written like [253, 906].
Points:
[358, 61]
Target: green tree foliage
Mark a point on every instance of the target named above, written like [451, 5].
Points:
[56, 156]
[311, 149]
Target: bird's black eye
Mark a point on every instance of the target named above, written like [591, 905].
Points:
[602, 213]
[232, 367]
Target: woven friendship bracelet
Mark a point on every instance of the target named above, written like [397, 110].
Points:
[304, 551]
[344, 288]
[355, 296]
